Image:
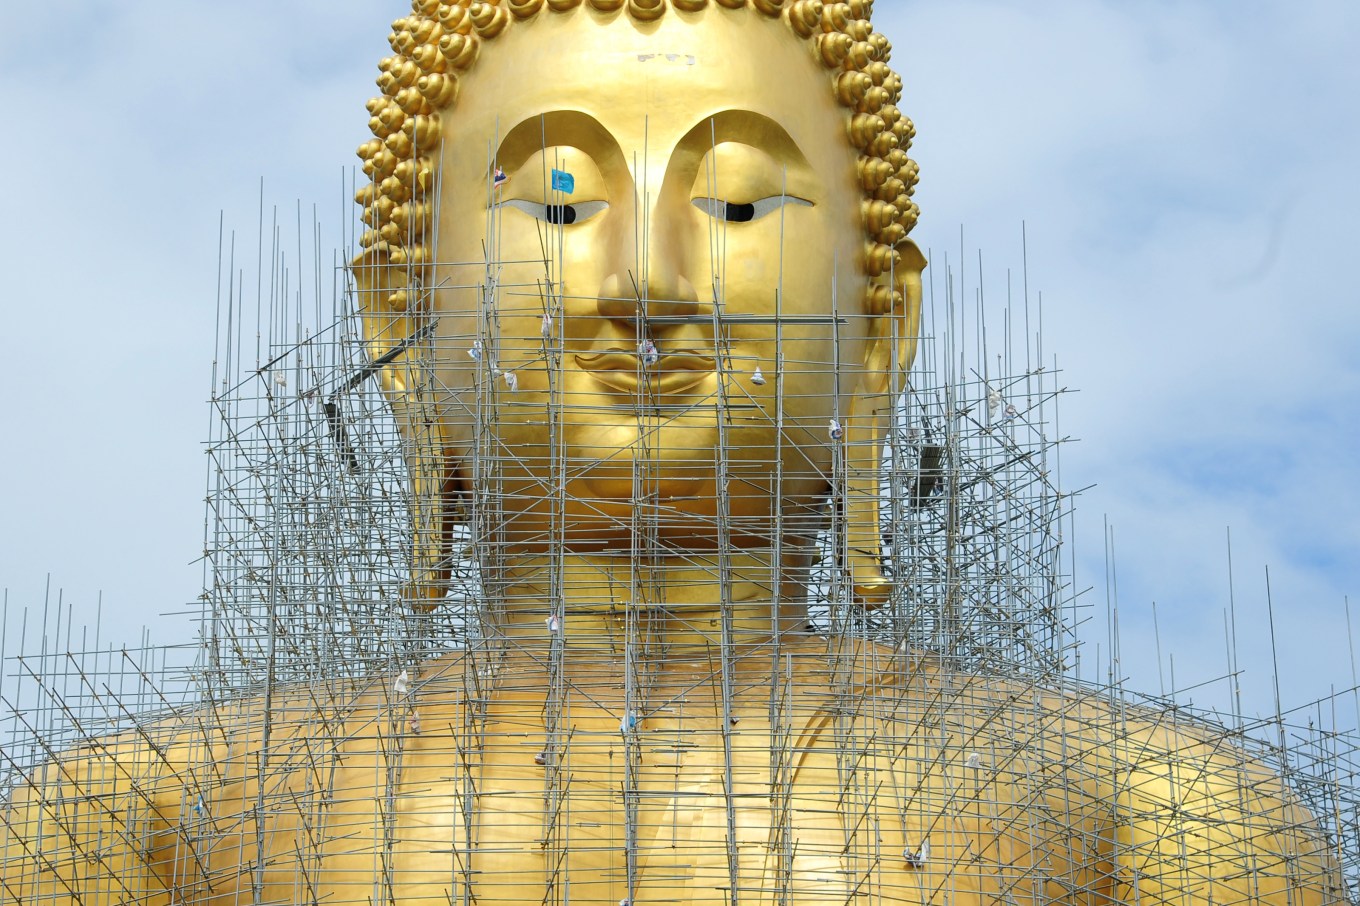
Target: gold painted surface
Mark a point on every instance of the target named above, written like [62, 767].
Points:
[663, 119]
[1022, 795]
[841, 772]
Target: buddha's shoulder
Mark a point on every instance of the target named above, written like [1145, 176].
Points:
[220, 727]
[1047, 717]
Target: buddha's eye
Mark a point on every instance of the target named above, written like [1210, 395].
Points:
[565, 214]
[732, 212]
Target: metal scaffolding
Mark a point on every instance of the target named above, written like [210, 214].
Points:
[343, 737]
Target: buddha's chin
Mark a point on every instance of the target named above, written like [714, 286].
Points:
[676, 467]
[623, 462]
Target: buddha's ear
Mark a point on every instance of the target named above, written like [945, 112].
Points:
[890, 349]
[909, 278]
[894, 302]
[394, 314]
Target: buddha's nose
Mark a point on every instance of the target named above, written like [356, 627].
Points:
[658, 286]
[668, 291]
[665, 292]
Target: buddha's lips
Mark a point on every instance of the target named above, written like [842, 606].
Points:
[674, 372]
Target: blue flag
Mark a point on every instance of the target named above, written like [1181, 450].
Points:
[562, 181]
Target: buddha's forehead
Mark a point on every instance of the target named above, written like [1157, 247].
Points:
[648, 84]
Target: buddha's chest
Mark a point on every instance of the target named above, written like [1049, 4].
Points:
[696, 801]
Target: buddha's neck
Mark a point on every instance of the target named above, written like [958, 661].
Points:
[600, 603]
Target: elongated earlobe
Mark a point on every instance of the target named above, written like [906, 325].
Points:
[393, 311]
[896, 311]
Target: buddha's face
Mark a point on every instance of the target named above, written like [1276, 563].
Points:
[715, 219]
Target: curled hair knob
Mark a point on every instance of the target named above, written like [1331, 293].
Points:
[805, 17]
[487, 19]
[454, 18]
[834, 48]
[460, 50]
[646, 10]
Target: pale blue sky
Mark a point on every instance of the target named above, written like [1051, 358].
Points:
[1186, 174]
[1185, 170]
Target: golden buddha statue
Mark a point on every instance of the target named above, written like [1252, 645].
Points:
[638, 280]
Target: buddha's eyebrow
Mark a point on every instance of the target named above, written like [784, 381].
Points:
[745, 127]
[572, 128]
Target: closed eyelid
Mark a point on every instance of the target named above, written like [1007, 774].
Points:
[742, 156]
[738, 212]
[564, 214]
